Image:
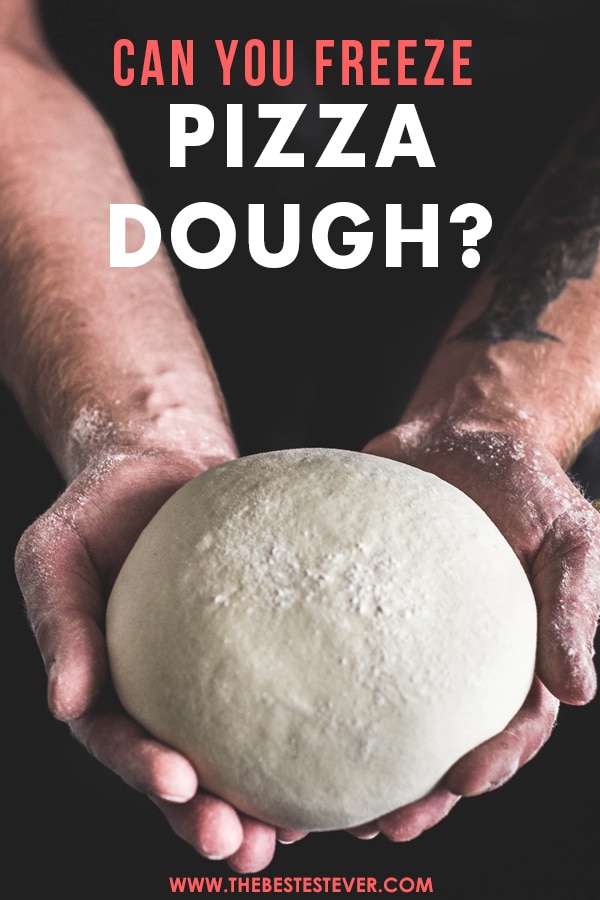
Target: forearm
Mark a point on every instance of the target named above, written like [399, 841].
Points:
[523, 353]
[97, 357]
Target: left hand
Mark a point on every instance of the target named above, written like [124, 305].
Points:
[555, 533]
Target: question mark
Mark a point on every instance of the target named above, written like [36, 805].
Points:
[482, 226]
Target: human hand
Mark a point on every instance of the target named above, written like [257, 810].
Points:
[66, 563]
[555, 533]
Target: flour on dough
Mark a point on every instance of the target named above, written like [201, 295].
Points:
[322, 632]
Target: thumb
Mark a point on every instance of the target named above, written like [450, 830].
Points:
[566, 582]
[64, 606]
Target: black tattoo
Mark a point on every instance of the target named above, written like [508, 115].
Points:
[554, 239]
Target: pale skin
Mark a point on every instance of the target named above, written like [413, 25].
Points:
[112, 375]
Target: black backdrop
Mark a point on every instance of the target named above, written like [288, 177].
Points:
[311, 357]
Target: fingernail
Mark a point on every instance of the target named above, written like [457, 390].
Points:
[170, 798]
[174, 798]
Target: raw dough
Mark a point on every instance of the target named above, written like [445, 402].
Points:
[323, 633]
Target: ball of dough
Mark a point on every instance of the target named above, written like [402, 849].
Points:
[323, 633]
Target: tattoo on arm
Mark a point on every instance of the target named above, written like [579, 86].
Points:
[555, 238]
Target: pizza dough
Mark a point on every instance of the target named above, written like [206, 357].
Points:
[323, 633]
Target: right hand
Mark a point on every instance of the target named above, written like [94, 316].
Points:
[66, 563]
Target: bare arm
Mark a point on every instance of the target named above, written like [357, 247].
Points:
[522, 354]
[93, 354]
[112, 375]
[507, 401]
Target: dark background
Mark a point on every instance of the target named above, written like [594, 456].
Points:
[313, 357]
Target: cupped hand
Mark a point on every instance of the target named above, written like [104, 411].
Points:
[68, 559]
[555, 533]
[66, 563]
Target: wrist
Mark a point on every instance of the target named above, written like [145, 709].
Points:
[502, 391]
[94, 435]
[169, 412]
